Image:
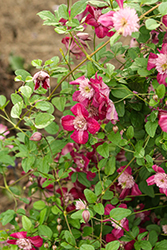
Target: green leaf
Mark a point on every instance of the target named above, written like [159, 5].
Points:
[42, 215]
[103, 150]
[26, 223]
[77, 215]
[39, 205]
[2, 100]
[86, 247]
[143, 244]
[160, 245]
[69, 238]
[17, 110]
[49, 18]
[56, 210]
[27, 163]
[26, 91]
[87, 231]
[121, 91]
[130, 132]
[59, 103]
[45, 231]
[148, 1]
[42, 120]
[77, 8]
[16, 98]
[163, 8]
[146, 189]
[161, 90]
[63, 11]
[110, 166]
[52, 129]
[114, 38]
[43, 105]
[114, 245]
[119, 213]
[99, 208]
[5, 158]
[151, 128]
[151, 24]
[83, 179]
[7, 216]
[90, 196]
[23, 73]
[36, 63]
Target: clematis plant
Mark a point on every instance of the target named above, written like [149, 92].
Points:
[89, 156]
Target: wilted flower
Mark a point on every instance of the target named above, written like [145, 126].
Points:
[3, 128]
[159, 61]
[42, 79]
[160, 179]
[81, 123]
[76, 48]
[125, 21]
[25, 242]
[37, 136]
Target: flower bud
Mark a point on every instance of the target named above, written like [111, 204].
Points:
[46, 245]
[59, 228]
[155, 98]
[17, 219]
[54, 247]
[115, 129]
[86, 215]
[59, 220]
[37, 136]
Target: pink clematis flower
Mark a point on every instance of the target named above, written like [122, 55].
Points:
[81, 123]
[125, 21]
[3, 128]
[159, 61]
[25, 242]
[160, 179]
[42, 79]
[93, 19]
[85, 92]
[162, 115]
[127, 183]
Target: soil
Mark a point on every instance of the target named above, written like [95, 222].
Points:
[23, 35]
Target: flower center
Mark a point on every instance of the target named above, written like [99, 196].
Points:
[68, 197]
[24, 244]
[80, 123]
[120, 222]
[86, 90]
[123, 22]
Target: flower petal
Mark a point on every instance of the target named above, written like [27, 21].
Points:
[158, 169]
[37, 241]
[161, 79]
[151, 61]
[93, 125]
[150, 180]
[80, 137]
[79, 110]
[67, 122]
[19, 235]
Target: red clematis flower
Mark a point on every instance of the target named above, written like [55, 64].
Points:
[25, 242]
[81, 123]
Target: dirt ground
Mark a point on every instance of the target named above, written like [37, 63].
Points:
[23, 35]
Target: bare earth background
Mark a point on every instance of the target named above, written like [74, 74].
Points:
[23, 35]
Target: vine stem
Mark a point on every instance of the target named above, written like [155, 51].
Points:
[147, 12]
[87, 58]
